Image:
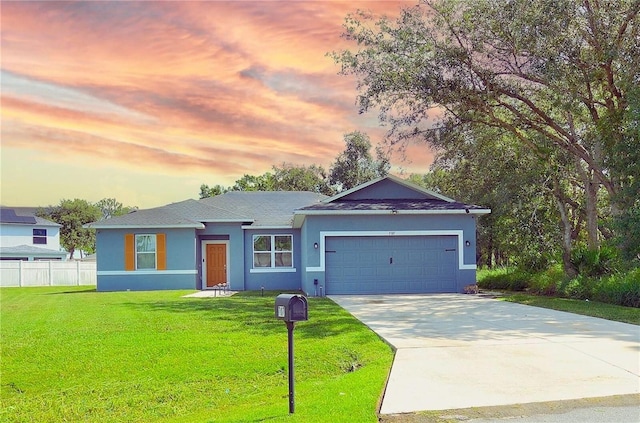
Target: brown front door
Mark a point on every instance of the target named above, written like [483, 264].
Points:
[216, 264]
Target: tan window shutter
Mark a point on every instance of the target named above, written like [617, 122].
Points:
[161, 250]
[129, 252]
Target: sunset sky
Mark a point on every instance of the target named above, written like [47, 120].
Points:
[145, 101]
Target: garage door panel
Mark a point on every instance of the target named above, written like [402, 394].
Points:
[416, 256]
[402, 243]
[352, 256]
[400, 272]
[351, 272]
[418, 264]
[384, 242]
[410, 270]
[367, 271]
[377, 257]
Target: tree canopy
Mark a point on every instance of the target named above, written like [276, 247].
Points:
[110, 207]
[288, 177]
[206, 191]
[254, 183]
[72, 215]
[555, 76]
[355, 165]
[351, 167]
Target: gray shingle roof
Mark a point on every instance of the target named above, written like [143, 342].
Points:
[200, 211]
[162, 217]
[22, 250]
[265, 208]
[271, 208]
[277, 208]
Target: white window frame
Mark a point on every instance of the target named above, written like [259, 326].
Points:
[155, 251]
[273, 268]
[40, 237]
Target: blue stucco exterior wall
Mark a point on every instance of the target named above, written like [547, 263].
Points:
[385, 189]
[180, 266]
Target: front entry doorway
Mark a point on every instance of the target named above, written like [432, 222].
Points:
[215, 269]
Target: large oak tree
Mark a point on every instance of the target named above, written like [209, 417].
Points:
[554, 74]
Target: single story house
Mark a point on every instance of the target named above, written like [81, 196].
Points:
[384, 236]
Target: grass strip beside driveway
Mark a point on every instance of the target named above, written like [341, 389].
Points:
[586, 308]
[72, 354]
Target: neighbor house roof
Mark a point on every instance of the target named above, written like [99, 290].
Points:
[28, 250]
[15, 215]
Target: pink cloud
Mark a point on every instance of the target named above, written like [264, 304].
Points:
[197, 81]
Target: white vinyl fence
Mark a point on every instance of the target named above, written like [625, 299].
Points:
[47, 273]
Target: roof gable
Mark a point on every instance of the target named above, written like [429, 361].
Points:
[388, 195]
[387, 188]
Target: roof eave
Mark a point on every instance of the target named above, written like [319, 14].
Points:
[298, 220]
[228, 220]
[49, 224]
[150, 226]
[386, 212]
[278, 227]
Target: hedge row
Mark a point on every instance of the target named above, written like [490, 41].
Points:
[620, 288]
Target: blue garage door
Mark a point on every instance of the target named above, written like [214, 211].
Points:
[391, 265]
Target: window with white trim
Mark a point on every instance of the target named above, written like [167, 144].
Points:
[40, 236]
[272, 251]
[145, 251]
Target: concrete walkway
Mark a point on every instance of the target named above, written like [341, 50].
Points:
[458, 351]
[210, 293]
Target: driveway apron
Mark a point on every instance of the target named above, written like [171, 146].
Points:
[459, 351]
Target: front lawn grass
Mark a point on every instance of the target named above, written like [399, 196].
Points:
[73, 354]
[586, 308]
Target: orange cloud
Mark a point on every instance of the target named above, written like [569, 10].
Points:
[216, 89]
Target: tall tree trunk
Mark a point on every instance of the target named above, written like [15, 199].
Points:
[569, 269]
[591, 206]
[489, 252]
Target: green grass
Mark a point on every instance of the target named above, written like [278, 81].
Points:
[586, 308]
[72, 354]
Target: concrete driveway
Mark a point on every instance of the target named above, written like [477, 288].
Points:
[458, 351]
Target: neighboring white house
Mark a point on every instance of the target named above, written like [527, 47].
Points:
[28, 237]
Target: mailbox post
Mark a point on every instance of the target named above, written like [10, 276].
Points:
[291, 308]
